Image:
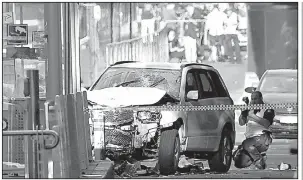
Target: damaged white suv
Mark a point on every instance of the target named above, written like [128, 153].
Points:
[166, 134]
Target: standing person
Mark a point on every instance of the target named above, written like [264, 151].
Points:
[213, 32]
[190, 36]
[176, 51]
[157, 12]
[147, 22]
[232, 41]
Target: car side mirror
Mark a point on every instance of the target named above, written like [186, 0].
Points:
[250, 89]
[192, 95]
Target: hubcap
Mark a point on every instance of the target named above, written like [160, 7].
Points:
[226, 151]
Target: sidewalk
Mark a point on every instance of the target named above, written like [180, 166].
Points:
[103, 169]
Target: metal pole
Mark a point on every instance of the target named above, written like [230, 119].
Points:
[131, 21]
[75, 46]
[112, 21]
[22, 60]
[31, 89]
[54, 79]
[33, 76]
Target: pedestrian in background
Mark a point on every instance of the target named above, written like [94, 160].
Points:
[190, 36]
[176, 50]
[147, 22]
[231, 37]
[214, 29]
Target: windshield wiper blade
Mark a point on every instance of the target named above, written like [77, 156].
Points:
[127, 82]
[156, 83]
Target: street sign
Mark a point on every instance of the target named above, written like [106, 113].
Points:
[17, 34]
[8, 18]
[38, 39]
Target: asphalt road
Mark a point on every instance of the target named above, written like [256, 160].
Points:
[278, 153]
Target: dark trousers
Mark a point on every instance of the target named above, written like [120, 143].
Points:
[231, 50]
[254, 146]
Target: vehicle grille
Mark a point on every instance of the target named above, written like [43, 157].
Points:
[285, 112]
[119, 118]
[118, 137]
[289, 125]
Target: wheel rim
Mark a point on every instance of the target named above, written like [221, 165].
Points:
[226, 151]
[176, 152]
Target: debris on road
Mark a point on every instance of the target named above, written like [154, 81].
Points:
[284, 166]
[183, 162]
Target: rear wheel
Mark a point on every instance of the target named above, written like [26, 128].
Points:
[169, 152]
[221, 160]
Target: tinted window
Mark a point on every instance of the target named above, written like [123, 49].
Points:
[218, 84]
[191, 83]
[207, 88]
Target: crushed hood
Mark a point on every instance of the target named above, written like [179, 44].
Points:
[126, 96]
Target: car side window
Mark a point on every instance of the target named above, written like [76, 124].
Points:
[207, 88]
[221, 91]
[191, 82]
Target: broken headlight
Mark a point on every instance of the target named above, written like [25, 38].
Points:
[148, 116]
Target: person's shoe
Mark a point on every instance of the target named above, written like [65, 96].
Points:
[260, 164]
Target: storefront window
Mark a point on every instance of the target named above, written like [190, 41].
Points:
[23, 46]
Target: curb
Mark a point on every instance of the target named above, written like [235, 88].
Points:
[103, 169]
[110, 174]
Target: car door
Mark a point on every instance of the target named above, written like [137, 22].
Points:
[208, 97]
[193, 118]
[223, 98]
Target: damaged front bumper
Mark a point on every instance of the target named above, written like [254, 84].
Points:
[127, 131]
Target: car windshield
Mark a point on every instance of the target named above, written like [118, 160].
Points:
[280, 84]
[168, 80]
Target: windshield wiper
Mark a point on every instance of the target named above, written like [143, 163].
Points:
[156, 83]
[127, 82]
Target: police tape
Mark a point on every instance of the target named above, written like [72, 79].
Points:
[288, 106]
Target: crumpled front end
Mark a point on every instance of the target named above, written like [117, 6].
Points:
[126, 131]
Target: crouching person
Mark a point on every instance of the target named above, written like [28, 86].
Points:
[258, 136]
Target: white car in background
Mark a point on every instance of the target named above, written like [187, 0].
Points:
[281, 86]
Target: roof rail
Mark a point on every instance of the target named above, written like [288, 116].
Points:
[123, 62]
[199, 64]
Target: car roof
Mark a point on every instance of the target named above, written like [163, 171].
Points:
[156, 65]
[281, 71]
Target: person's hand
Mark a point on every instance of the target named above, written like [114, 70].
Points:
[245, 113]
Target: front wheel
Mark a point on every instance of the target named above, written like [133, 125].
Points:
[169, 152]
[221, 160]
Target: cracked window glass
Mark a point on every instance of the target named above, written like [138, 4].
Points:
[168, 80]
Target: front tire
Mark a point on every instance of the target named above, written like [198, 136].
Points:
[221, 160]
[169, 152]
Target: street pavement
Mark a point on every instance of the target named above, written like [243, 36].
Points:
[277, 153]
